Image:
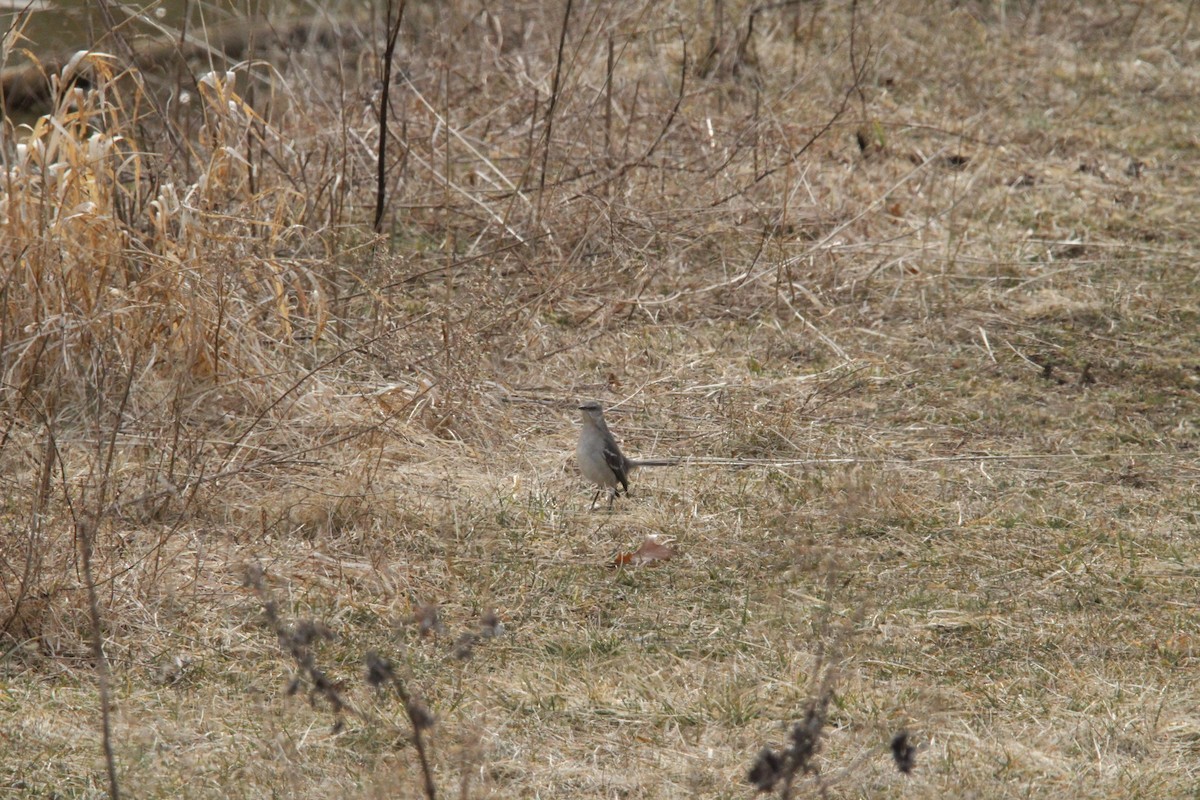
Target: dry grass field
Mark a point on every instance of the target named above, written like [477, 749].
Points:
[909, 288]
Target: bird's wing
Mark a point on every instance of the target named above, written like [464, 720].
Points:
[618, 464]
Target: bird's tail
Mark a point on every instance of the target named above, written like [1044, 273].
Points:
[656, 462]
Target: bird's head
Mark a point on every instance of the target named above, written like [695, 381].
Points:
[592, 410]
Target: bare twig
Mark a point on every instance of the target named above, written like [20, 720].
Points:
[88, 517]
[381, 151]
[634, 163]
[297, 639]
[85, 529]
[380, 672]
[795, 155]
[546, 137]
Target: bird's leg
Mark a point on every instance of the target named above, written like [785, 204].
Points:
[596, 497]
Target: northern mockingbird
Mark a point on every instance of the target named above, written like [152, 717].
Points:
[600, 458]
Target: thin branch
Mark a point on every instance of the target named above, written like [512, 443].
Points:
[381, 150]
[296, 640]
[87, 523]
[649, 151]
[562, 43]
[795, 155]
[86, 530]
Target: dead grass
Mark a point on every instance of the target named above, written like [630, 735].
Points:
[917, 308]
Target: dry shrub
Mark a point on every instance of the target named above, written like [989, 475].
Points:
[111, 251]
[134, 289]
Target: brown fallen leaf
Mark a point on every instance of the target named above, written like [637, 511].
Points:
[652, 551]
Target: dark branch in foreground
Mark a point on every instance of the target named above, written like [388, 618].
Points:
[296, 640]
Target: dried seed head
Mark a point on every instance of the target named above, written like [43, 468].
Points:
[903, 752]
[766, 770]
[419, 714]
[464, 648]
[379, 670]
[428, 620]
[254, 576]
[307, 631]
[490, 626]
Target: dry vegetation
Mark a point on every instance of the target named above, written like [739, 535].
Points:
[911, 287]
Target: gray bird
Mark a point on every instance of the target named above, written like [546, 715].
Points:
[600, 458]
